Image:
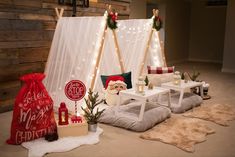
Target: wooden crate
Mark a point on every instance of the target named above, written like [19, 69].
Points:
[73, 129]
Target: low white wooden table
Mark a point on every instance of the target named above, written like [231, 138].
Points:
[143, 98]
[183, 87]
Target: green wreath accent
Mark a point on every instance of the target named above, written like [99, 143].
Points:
[157, 23]
[111, 21]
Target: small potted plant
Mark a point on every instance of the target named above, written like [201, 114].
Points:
[194, 77]
[89, 112]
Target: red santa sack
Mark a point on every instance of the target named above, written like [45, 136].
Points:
[33, 115]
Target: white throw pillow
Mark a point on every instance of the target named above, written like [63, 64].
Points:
[158, 79]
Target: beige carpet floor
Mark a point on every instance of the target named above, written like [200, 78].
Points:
[117, 142]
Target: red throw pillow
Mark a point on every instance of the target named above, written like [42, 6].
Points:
[33, 115]
[160, 70]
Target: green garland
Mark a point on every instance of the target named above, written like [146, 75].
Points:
[157, 23]
[111, 22]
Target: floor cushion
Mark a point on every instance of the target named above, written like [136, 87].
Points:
[189, 101]
[126, 116]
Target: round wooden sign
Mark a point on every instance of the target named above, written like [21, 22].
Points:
[75, 90]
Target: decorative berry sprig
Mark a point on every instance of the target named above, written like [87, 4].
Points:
[157, 22]
[112, 20]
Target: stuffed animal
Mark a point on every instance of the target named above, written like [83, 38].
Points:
[113, 85]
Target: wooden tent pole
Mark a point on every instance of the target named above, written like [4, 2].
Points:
[145, 53]
[98, 58]
[162, 49]
[155, 13]
[118, 51]
[59, 13]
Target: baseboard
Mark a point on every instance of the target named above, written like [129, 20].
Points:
[204, 60]
[226, 70]
[176, 61]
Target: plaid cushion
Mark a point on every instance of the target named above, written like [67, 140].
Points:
[160, 70]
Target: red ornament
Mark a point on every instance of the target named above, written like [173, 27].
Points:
[63, 114]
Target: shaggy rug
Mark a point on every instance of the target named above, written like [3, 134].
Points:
[217, 113]
[179, 131]
[40, 147]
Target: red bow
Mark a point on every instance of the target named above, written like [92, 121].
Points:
[157, 18]
[113, 16]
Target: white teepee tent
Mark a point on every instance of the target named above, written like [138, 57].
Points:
[77, 44]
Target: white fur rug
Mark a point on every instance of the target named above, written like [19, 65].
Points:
[40, 147]
[180, 131]
[217, 113]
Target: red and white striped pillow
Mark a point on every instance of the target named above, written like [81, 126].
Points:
[160, 70]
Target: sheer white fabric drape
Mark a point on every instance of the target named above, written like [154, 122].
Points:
[132, 36]
[75, 48]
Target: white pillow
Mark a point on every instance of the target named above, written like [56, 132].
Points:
[158, 79]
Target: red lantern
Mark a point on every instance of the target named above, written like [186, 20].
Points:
[63, 114]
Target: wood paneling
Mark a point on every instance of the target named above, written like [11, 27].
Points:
[26, 32]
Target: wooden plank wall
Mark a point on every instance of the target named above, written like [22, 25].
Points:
[26, 32]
